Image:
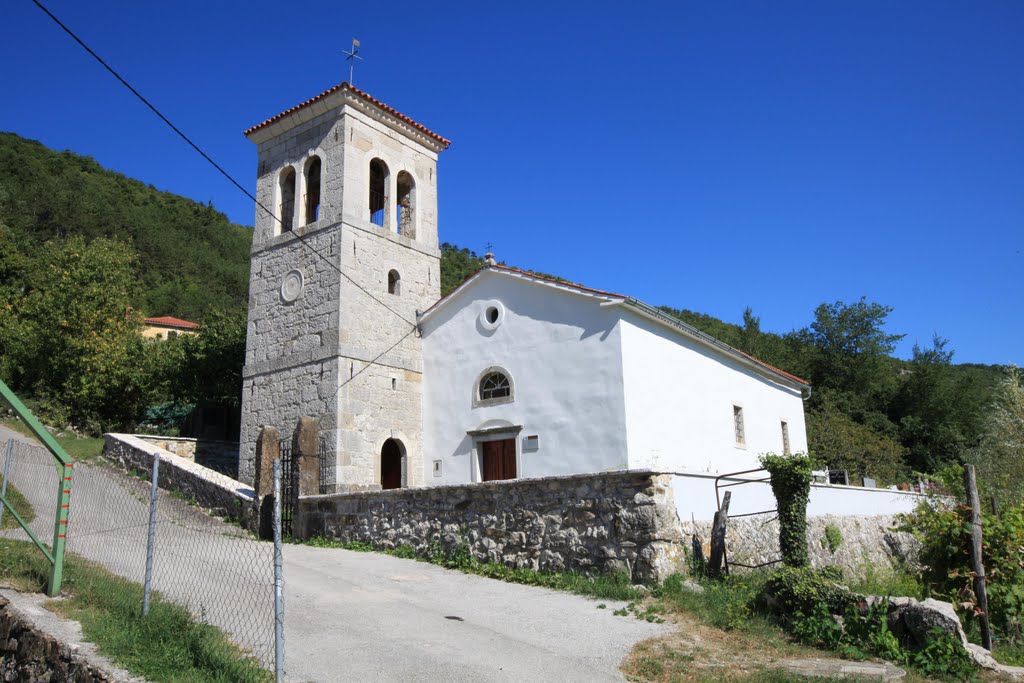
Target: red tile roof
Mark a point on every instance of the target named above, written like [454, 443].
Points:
[775, 369]
[356, 91]
[168, 321]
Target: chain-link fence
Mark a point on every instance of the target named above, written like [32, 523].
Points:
[216, 571]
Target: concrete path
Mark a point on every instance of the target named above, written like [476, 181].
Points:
[348, 616]
[380, 618]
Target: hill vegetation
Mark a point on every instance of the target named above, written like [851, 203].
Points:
[84, 251]
[190, 258]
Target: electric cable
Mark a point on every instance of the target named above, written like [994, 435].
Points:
[207, 157]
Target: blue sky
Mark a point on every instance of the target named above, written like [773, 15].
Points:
[708, 156]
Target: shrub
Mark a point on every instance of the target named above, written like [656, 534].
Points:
[945, 532]
[802, 590]
[832, 539]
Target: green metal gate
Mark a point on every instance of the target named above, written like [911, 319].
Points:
[65, 466]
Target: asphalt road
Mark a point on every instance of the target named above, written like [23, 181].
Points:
[381, 618]
[348, 616]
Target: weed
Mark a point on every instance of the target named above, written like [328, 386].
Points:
[943, 656]
[20, 504]
[832, 539]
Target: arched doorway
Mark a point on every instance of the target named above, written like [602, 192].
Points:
[391, 464]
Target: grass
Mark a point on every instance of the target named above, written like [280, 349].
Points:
[607, 587]
[20, 504]
[881, 582]
[1011, 654]
[78, 447]
[166, 646]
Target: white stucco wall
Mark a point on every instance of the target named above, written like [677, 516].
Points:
[679, 404]
[695, 498]
[562, 352]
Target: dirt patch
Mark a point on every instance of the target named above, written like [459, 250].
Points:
[693, 651]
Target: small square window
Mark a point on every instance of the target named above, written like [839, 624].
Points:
[737, 423]
[437, 468]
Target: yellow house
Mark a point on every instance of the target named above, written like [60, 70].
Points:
[167, 327]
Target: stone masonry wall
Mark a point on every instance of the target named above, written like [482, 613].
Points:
[869, 543]
[216, 455]
[606, 522]
[210, 489]
[28, 654]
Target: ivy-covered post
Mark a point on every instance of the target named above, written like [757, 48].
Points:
[791, 484]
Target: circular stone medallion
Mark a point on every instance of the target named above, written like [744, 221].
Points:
[291, 286]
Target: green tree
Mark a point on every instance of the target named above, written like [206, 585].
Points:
[999, 457]
[207, 367]
[937, 410]
[72, 340]
[457, 265]
[841, 443]
[850, 347]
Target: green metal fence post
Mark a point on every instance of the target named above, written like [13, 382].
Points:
[60, 529]
[64, 465]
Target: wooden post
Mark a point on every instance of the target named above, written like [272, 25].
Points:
[715, 566]
[977, 565]
[698, 553]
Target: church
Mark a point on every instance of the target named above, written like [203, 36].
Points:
[511, 375]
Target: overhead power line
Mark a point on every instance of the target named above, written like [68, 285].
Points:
[206, 156]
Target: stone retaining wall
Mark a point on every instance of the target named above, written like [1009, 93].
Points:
[221, 456]
[606, 522]
[210, 489]
[868, 543]
[28, 654]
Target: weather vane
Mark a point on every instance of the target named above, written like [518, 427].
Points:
[353, 55]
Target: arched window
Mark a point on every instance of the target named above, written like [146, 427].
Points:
[378, 192]
[394, 283]
[286, 206]
[312, 203]
[405, 208]
[495, 385]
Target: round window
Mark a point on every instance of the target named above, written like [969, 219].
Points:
[492, 315]
[291, 286]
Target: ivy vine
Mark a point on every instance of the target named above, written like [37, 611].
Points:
[791, 484]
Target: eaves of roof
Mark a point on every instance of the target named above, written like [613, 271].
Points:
[445, 142]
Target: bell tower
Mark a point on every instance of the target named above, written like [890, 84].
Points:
[341, 263]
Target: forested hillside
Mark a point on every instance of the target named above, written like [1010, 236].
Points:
[85, 251]
[190, 258]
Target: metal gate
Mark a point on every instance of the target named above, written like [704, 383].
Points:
[289, 479]
[287, 487]
[732, 478]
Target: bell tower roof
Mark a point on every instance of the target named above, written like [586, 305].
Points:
[342, 94]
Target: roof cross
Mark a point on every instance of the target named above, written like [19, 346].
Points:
[353, 55]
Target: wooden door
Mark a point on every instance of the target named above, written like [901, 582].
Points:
[390, 465]
[499, 459]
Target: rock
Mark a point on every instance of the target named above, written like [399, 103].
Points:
[692, 586]
[838, 668]
[914, 622]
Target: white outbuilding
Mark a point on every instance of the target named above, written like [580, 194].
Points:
[526, 376]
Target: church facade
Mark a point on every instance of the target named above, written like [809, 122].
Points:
[511, 375]
[530, 377]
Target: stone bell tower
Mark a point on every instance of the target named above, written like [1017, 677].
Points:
[337, 275]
